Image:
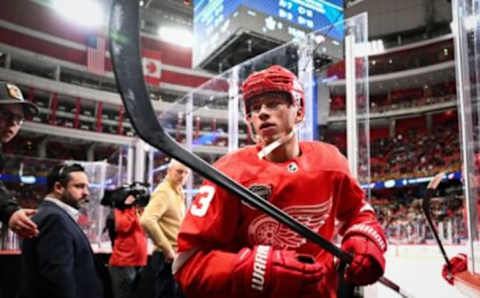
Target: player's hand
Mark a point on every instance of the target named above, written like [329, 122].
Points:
[266, 272]
[325, 287]
[21, 223]
[368, 262]
[458, 264]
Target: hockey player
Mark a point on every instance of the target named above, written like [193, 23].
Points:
[229, 249]
[458, 265]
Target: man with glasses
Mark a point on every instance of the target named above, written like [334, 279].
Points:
[13, 110]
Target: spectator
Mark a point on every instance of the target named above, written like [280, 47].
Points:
[13, 109]
[161, 220]
[60, 263]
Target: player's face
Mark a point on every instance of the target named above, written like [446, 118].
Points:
[11, 118]
[273, 116]
[75, 193]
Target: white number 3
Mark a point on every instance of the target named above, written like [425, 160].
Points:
[202, 202]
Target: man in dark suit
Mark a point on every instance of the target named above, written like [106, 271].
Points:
[59, 262]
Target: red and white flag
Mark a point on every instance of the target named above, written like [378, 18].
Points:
[152, 66]
[96, 54]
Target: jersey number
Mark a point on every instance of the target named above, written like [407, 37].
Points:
[200, 205]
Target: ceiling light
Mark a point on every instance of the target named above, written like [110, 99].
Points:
[175, 35]
[86, 13]
[319, 39]
[470, 22]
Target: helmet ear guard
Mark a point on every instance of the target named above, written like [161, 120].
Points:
[252, 136]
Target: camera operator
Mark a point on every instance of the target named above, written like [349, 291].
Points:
[129, 251]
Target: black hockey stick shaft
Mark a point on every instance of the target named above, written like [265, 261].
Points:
[124, 39]
[432, 186]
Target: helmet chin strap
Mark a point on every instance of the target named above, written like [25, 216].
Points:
[275, 144]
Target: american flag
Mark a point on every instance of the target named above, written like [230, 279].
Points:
[96, 54]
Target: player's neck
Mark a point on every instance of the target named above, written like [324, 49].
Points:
[285, 152]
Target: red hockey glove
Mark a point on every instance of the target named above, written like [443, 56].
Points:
[458, 264]
[265, 272]
[326, 287]
[368, 262]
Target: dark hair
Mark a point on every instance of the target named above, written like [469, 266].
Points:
[61, 173]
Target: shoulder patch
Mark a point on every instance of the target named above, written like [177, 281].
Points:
[262, 190]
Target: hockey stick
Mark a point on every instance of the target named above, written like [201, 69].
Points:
[126, 60]
[432, 186]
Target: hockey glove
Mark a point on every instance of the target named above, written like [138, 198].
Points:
[458, 264]
[266, 272]
[368, 262]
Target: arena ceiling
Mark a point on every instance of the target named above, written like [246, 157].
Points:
[179, 6]
[171, 8]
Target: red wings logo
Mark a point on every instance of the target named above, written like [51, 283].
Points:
[268, 231]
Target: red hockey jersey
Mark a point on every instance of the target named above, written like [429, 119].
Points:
[316, 188]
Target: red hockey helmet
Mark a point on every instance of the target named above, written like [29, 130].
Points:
[273, 79]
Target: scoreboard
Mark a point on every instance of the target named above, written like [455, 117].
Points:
[209, 14]
[215, 21]
[312, 15]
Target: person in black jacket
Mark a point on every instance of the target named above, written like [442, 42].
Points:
[13, 109]
[59, 262]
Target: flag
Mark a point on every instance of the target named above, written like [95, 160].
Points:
[53, 109]
[152, 66]
[96, 54]
[99, 125]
